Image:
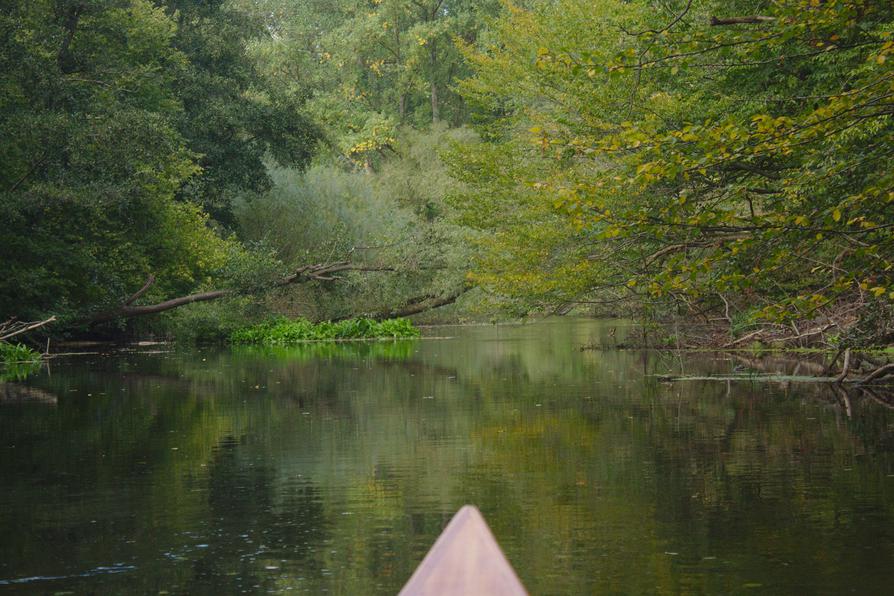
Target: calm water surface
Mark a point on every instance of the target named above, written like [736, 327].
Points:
[332, 469]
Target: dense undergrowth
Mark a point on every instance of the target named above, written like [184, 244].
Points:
[283, 331]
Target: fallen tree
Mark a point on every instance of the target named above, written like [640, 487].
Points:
[414, 306]
[319, 272]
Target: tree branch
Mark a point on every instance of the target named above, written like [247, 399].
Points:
[136, 295]
[749, 20]
[11, 329]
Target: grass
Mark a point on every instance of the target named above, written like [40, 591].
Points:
[283, 332]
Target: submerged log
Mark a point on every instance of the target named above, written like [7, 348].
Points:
[465, 559]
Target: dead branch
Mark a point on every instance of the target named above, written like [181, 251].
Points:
[743, 338]
[881, 371]
[844, 369]
[11, 329]
[126, 312]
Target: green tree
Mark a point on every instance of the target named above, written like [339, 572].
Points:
[233, 116]
[103, 129]
[710, 156]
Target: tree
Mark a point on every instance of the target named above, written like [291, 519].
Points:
[691, 159]
[373, 65]
[233, 115]
[103, 139]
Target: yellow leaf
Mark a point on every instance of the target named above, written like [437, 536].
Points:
[836, 215]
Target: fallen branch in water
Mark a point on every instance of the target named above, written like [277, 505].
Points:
[880, 372]
[844, 369]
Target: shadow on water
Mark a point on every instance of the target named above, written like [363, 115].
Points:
[332, 468]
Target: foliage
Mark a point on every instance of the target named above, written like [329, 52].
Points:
[372, 67]
[210, 322]
[394, 219]
[16, 353]
[670, 160]
[233, 114]
[119, 120]
[285, 331]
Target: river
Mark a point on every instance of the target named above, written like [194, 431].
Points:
[332, 468]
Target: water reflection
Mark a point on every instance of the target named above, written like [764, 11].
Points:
[332, 468]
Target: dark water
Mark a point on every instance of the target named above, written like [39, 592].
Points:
[332, 469]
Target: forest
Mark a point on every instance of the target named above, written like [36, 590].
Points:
[183, 168]
[286, 284]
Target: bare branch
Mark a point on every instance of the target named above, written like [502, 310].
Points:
[11, 329]
[844, 369]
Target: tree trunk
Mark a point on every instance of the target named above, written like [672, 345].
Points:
[435, 106]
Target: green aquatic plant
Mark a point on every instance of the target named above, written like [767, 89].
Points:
[17, 353]
[17, 361]
[277, 332]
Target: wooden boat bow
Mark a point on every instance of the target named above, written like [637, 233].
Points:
[465, 560]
